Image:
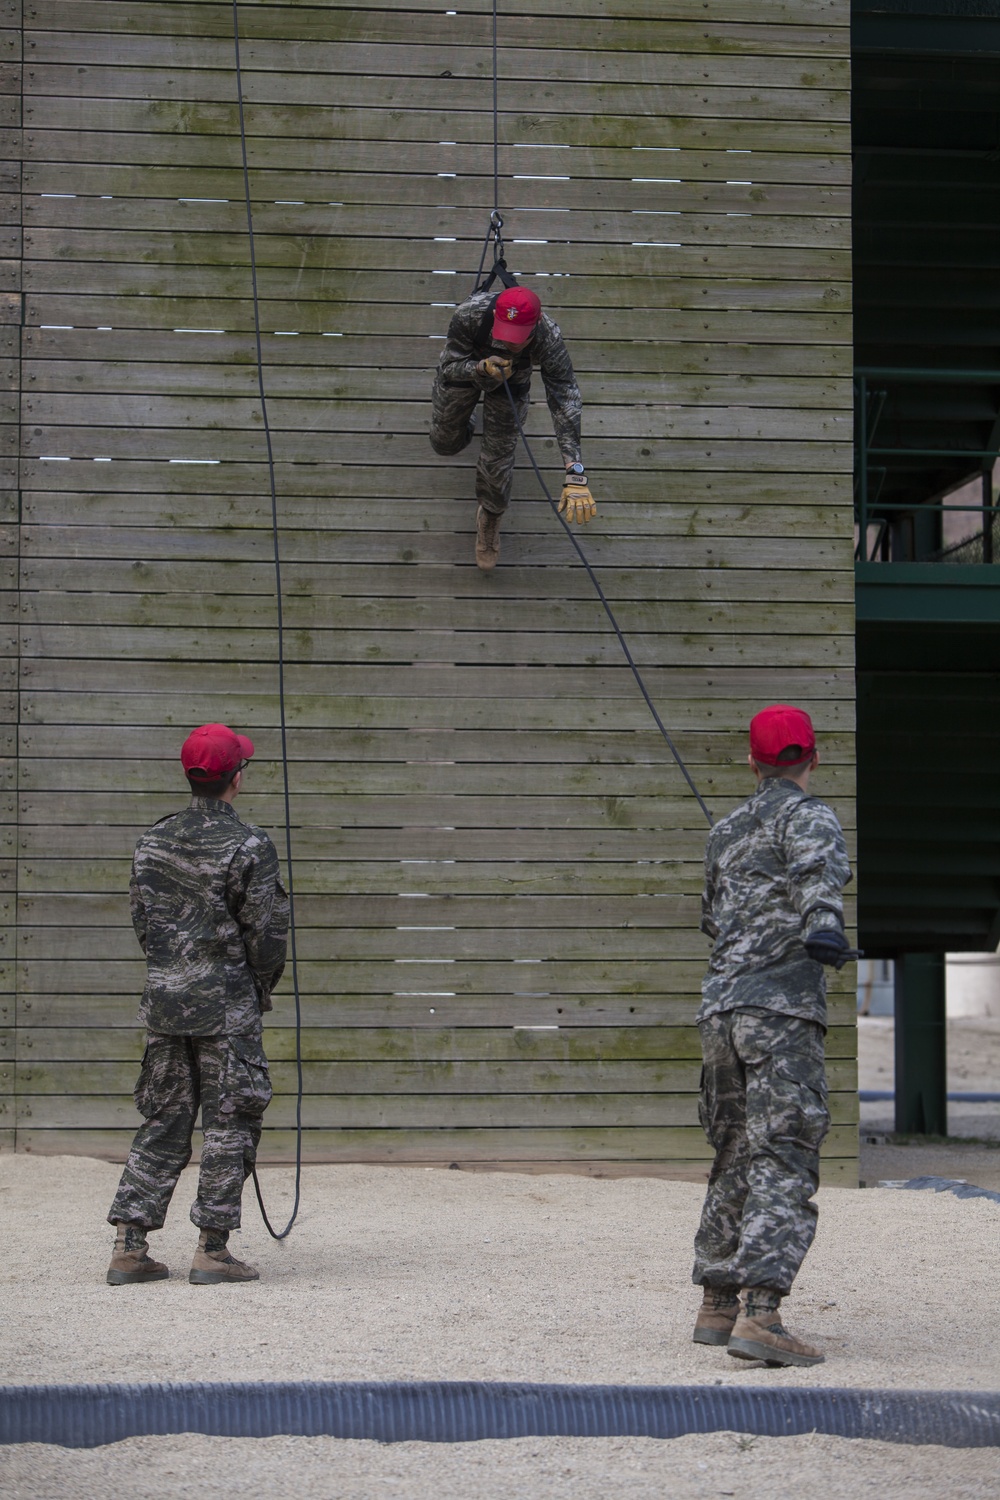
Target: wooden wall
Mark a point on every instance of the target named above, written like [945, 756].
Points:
[497, 865]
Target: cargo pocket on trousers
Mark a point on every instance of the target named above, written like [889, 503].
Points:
[801, 1097]
[145, 1102]
[703, 1115]
[246, 1084]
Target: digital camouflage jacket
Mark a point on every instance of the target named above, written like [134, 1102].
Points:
[774, 872]
[470, 340]
[211, 914]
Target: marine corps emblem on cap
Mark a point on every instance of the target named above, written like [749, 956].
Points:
[213, 751]
[778, 728]
[516, 315]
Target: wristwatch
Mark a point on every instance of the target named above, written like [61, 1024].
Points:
[576, 469]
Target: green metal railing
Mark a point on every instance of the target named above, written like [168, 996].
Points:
[871, 400]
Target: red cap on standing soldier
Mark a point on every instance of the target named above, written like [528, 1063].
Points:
[778, 728]
[213, 750]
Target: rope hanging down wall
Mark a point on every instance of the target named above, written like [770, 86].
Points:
[276, 1234]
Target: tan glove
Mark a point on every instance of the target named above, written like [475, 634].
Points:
[495, 367]
[577, 503]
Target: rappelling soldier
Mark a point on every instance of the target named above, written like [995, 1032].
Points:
[492, 341]
[774, 872]
[211, 916]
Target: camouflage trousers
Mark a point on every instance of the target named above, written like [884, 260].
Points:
[227, 1078]
[764, 1109]
[452, 406]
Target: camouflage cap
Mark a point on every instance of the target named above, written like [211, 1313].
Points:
[213, 750]
[777, 729]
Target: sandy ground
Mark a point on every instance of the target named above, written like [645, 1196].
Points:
[689, 1468]
[423, 1274]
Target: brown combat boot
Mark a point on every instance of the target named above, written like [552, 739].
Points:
[487, 540]
[213, 1265]
[129, 1259]
[718, 1312]
[763, 1337]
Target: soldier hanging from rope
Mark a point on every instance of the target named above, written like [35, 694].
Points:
[493, 345]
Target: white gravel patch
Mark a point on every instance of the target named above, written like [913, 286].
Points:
[688, 1468]
[402, 1273]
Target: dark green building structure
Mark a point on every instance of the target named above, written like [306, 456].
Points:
[926, 133]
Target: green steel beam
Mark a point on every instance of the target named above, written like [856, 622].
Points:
[926, 593]
[928, 374]
[921, 1062]
[921, 29]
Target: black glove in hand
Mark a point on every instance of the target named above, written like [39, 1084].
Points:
[829, 947]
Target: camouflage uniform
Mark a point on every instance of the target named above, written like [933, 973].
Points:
[774, 872]
[211, 914]
[458, 387]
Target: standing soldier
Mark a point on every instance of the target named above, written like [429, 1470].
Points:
[492, 340]
[211, 915]
[774, 872]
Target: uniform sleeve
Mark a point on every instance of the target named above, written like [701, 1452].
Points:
[138, 907]
[562, 393]
[818, 867]
[259, 903]
[460, 356]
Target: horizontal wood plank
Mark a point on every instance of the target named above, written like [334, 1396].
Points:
[367, 44]
[418, 1111]
[534, 25]
[327, 378]
[648, 578]
[429, 1140]
[373, 352]
[574, 770]
[824, 13]
[830, 699]
[66, 1007]
[487, 649]
[334, 416]
[589, 1046]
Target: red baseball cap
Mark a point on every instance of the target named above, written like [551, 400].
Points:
[516, 315]
[777, 728]
[214, 751]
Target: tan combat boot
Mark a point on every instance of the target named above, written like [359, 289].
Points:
[129, 1259]
[763, 1337]
[718, 1312]
[213, 1265]
[487, 540]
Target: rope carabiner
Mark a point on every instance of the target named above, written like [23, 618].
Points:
[499, 270]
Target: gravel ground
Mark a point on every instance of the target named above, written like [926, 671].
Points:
[426, 1274]
[688, 1468]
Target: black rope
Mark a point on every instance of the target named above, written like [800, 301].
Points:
[496, 121]
[496, 222]
[281, 660]
[608, 611]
